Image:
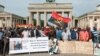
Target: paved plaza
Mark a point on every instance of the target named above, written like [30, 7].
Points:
[46, 54]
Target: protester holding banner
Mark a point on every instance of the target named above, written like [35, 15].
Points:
[41, 32]
[32, 32]
[14, 33]
[7, 35]
[26, 33]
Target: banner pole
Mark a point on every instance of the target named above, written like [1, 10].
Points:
[4, 48]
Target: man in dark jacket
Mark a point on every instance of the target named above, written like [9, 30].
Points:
[35, 32]
[74, 34]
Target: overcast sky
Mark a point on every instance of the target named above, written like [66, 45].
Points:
[19, 7]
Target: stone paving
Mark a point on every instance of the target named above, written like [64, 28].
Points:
[46, 54]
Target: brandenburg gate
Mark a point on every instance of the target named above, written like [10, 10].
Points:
[43, 11]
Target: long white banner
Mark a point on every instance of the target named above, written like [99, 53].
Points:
[24, 45]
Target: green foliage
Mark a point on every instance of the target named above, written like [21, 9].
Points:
[42, 23]
[34, 22]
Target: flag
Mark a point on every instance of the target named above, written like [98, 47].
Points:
[66, 20]
[54, 18]
[58, 19]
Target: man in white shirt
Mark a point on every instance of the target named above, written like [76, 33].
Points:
[25, 33]
[66, 35]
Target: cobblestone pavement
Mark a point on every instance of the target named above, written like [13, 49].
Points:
[46, 54]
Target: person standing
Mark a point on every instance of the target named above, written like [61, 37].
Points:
[52, 34]
[7, 35]
[74, 34]
[58, 34]
[95, 35]
[35, 32]
[90, 33]
[42, 32]
[53, 44]
[1, 41]
[66, 35]
[25, 33]
[13, 33]
[83, 35]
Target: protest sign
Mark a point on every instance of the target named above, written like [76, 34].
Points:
[24, 45]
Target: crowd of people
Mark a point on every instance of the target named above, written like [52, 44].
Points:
[66, 34]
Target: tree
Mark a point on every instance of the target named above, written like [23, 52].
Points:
[42, 23]
[34, 20]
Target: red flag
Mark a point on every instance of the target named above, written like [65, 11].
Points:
[66, 20]
[56, 16]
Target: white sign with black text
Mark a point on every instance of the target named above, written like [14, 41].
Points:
[24, 45]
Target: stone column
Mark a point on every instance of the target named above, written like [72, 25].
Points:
[83, 23]
[73, 22]
[87, 20]
[1, 23]
[63, 13]
[91, 23]
[98, 23]
[70, 24]
[22, 21]
[11, 23]
[15, 22]
[37, 19]
[45, 19]
[30, 18]
[78, 23]
[19, 21]
[6, 22]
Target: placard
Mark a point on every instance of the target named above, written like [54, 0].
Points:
[24, 45]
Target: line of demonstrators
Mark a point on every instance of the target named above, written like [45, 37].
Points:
[54, 34]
